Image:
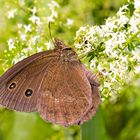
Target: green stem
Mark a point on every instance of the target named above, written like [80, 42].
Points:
[94, 129]
[130, 39]
[87, 131]
[84, 55]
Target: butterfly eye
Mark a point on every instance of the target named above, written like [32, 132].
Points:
[12, 86]
[28, 92]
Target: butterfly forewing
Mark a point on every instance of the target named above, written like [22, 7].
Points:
[20, 90]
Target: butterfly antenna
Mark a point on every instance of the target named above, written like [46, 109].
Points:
[49, 26]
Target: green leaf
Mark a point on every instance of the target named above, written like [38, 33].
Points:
[131, 8]
[95, 128]
[131, 47]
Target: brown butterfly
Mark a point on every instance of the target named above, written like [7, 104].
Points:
[54, 83]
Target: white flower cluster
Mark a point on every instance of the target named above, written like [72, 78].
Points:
[31, 37]
[112, 48]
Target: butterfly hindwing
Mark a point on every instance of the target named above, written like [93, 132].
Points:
[94, 82]
[66, 96]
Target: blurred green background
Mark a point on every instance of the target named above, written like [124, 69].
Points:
[117, 118]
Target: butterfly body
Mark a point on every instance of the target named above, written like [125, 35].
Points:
[54, 83]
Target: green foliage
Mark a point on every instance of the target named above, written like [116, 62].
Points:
[21, 126]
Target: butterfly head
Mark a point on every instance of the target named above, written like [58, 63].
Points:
[66, 53]
[58, 44]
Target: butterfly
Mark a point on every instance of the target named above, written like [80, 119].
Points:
[54, 83]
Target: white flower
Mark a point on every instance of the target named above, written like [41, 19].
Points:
[11, 14]
[18, 58]
[34, 10]
[109, 24]
[49, 45]
[25, 50]
[78, 46]
[87, 49]
[123, 19]
[109, 47]
[113, 68]
[70, 22]
[50, 19]
[134, 22]
[23, 37]
[113, 79]
[39, 49]
[124, 59]
[27, 28]
[19, 25]
[137, 4]
[122, 10]
[33, 40]
[94, 31]
[54, 14]
[102, 70]
[121, 38]
[137, 69]
[107, 85]
[136, 54]
[35, 19]
[11, 44]
[21, 2]
[53, 4]
[93, 64]
[82, 29]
